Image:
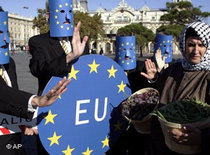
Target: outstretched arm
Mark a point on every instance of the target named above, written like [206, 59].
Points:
[50, 97]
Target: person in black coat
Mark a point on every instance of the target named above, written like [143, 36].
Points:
[49, 58]
[21, 104]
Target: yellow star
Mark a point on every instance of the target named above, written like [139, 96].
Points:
[60, 6]
[5, 22]
[122, 44]
[61, 26]
[121, 87]
[54, 139]
[127, 43]
[56, 10]
[93, 66]
[59, 97]
[68, 150]
[6, 53]
[50, 118]
[57, 22]
[123, 62]
[117, 126]
[56, 17]
[112, 71]
[87, 152]
[66, 4]
[105, 142]
[73, 73]
[67, 28]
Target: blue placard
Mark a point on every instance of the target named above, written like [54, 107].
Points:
[61, 18]
[164, 42]
[126, 52]
[87, 118]
[4, 38]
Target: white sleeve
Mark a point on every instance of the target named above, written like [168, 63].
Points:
[30, 107]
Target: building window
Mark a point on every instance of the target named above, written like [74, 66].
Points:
[153, 18]
[119, 19]
[126, 19]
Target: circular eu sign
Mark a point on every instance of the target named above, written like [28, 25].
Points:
[86, 119]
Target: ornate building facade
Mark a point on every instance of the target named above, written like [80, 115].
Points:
[20, 30]
[121, 16]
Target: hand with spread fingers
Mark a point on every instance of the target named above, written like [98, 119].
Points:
[160, 60]
[52, 95]
[151, 70]
[78, 46]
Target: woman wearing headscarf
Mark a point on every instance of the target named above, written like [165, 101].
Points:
[189, 77]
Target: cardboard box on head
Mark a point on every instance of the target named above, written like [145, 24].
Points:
[164, 43]
[126, 52]
[61, 18]
[4, 38]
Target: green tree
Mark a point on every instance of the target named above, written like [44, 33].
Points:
[182, 13]
[174, 30]
[179, 14]
[143, 34]
[41, 21]
[91, 26]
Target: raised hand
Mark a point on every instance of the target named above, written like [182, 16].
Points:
[159, 60]
[150, 70]
[78, 46]
[52, 95]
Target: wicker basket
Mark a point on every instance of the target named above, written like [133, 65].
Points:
[181, 148]
[142, 126]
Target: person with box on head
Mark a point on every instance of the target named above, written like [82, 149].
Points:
[14, 102]
[53, 52]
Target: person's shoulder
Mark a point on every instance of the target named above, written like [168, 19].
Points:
[175, 64]
[173, 68]
[39, 37]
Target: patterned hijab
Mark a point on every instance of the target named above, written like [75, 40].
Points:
[203, 32]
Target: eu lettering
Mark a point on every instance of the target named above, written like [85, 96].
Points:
[80, 111]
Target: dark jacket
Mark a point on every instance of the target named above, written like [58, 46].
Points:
[13, 102]
[48, 59]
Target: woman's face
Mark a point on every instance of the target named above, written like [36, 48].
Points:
[194, 50]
